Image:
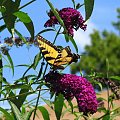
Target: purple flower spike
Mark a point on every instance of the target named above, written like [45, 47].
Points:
[74, 86]
[71, 18]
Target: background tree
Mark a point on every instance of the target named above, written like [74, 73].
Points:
[117, 24]
[102, 55]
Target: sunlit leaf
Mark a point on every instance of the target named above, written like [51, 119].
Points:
[2, 9]
[16, 111]
[7, 115]
[71, 105]
[27, 21]
[115, 78]
[22, 16]
[27, 115]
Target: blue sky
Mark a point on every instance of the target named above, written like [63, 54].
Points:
[103, 14]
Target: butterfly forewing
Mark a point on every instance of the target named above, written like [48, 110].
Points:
[54, 56]
[48, 50]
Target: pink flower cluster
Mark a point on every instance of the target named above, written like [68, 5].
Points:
[74, 86]
[71, 18]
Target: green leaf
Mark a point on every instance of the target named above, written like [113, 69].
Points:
[2, 9]
[27, 115]
[44, 112]
[30, 28]
[8, 16]
[66, 37]
[106, 117]
[115, 77]
[23, 94]
[47, 102]
[45, 30]
[17, 86]
[37, 58]
[16, 111]
[74, 43]
[11, 63]
[20, 35]
[12, 98]
[22, 16]
[7, 115]
[2, 27]
[73, 1]
[1, 73]
[58, 105]
[71, 105]
[27, 21]
[89, 4]
[56, 14]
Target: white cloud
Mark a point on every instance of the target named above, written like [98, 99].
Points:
[82, 38]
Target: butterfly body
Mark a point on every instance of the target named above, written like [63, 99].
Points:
[55, 56]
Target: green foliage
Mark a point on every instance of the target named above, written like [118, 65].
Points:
[58, 105]
[117, 24]
[32, 80]
[7, 115]
[105, 46]
[44, 112]
[89, 4]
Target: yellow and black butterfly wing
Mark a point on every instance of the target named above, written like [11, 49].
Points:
[54, 56]
[49, 51]
[65, 57]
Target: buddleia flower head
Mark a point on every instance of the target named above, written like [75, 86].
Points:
[74, 86]
[71, 17]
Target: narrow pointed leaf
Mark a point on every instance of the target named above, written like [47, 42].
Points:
[26, 21]
[44, 112]
[11, 63]
[22, 16]
[20, 35]
[58, 105]
[2, 27]
[7, 115]
[16, 111]
[56, 14]
[89, 4]
[115, 78]
[22, 97]
[37, 58]
[45, 30]
[1, 73]
[74, 43]
[8, 16]
[27, 115]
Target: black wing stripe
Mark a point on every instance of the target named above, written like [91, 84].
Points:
[42, 48]
[49, 58]
[45, 52]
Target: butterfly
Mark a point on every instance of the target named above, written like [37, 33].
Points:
[55, 56]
